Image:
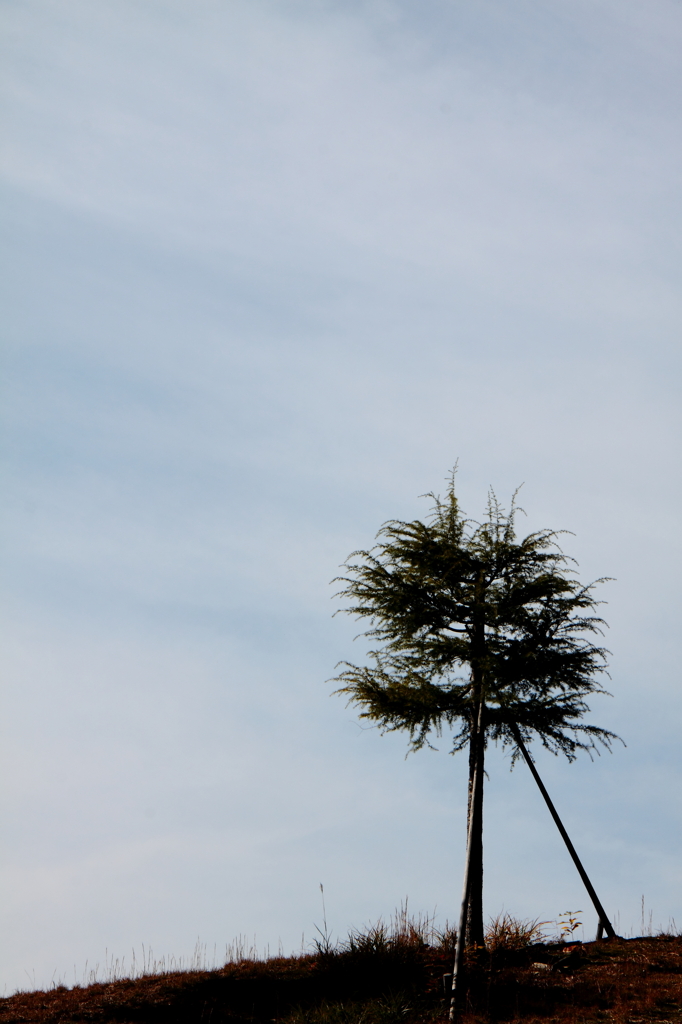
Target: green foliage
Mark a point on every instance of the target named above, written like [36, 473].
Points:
[463, 612]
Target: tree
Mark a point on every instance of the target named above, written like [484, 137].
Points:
[451, 596]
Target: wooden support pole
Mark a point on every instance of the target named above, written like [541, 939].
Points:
[601, 913]
[456, 991]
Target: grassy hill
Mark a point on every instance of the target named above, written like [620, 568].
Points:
[383, 977]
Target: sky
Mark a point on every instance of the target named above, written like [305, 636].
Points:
[270, 269]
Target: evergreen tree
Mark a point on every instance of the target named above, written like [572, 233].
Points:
[478, 632]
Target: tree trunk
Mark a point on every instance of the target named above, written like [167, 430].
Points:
[475, 808]
[474, 935]
[474, 929]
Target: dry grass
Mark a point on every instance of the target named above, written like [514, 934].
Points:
[621, 982]
[509, 933]
[392, 974]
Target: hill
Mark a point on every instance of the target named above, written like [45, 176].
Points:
[387, 979]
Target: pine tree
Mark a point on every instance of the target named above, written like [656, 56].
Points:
[476, 632]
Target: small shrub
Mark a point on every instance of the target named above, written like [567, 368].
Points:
[568, 922]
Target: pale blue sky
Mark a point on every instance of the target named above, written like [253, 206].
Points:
[269, 269]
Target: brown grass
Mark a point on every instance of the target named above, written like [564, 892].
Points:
[391, 976]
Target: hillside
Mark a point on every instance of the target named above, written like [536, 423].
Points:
[379, 979]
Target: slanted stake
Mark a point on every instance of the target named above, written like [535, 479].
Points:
[604, 922]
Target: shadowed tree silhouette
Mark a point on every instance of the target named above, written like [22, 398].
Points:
[478, 632]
